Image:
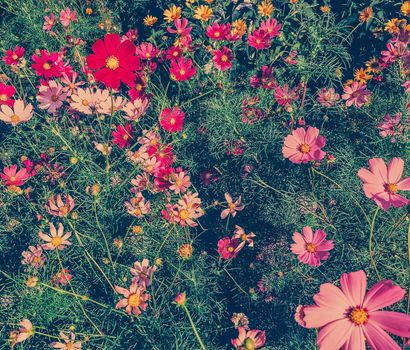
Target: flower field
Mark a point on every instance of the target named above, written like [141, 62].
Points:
[205, 174]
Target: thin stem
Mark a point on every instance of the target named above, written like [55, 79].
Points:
[194, 328]
[371, 242]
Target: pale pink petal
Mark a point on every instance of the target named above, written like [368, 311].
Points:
[404, 185]
[395, 170]
[378, 167]
[356, 340]
[308, 233]
[332, 298]
[316, 317]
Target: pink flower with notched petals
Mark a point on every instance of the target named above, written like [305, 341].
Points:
[356, 94]
[16, 115]
[249, 339]
[146, 51]
[233, 207]
[57, 240]
[311, 248]
[123, 135]
[13, 56]
[271, 27]
[303, 146]
[69, 342]
[182, 69]
[227, 248]
[259, 39]
[181, 27]
[348, 317]
[180, 181]
[381, 183]
[218, 31]
[12, 177]
[60, 205]
[49, 22]
[327, 97]
[142, 272]
[135, 298]
[26, 331]
[66, 16]
[33, 257]
[222, 58]
[138, 206]
[244, 237]
[136, 109]
[6, 91]
[51, 96]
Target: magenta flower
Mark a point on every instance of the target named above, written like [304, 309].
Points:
[348, 317]
[311, 248]
[253, 339]
[381, 183]
[303, 146]
[227, 248]
[356, 94]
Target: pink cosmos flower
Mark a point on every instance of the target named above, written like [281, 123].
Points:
[180, 181]
[172, 120]
[142, 272]
[381, 183]
[135, 298]
[285, 96]
[138, 206]
[146, 51]
[71, 83]
[356, 94]
[16, 115]
[48, 65]
[244, 237]
[327, 97]
[264, 79]
[227, 248]
[271, 27]
[6, 91]
[49, 22]
[66, 16]
[249, 339]
[62, 278]
[33, 257]
[69, 342]
[60, 205]
[51, 96]
[259, 39]
[181, 27]
[58, 239]
[123, 135]
[136, 109]
[233, 207]
[394, 127]
[182, 69]
[13, 56]
[26, 331]
[82, 100]
[222, 58]
[303, 146]
[311, 248]
[218, 31]
[12, 177]
[348, 317]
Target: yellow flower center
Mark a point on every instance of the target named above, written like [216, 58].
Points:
[54, 98]
[64, 210]
[134, 300]
[13, 178]
[217, 34]
[14, 57]
[85, 103]
[392, 188]
[112, 62]
[3, 97]
[224, 58]
[311, 248]
[56, 241]
[46, 66]
[183, 214]
[249, 344]
[358, 316]
[244, 237]
[231, 249]
[15, 118]
[231, 206]
[304, 148]
[137, 211]
[125, 137]
[69, 346]
[71, 86]
[182, 71]
[172, 121]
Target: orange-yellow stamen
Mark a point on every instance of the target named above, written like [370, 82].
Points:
[304, 148]
[311, 248]
[112, 62]
[358, 316]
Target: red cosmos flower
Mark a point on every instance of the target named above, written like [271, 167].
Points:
[223, 58]
[271, 27]
[113, 61]
[13, 56]
[48, 65]
[182, 69]
[181, 26]
[146, 51]
[259, 39]
[227, 248]
[285, 96]
[6, 91]
[172, 52]
[172, 120]
[123, 135]
[12, 177]
[218, 31]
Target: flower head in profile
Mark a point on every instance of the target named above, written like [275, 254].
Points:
[49, 22]
[60, 205]
[271, 27]
[180, 299]
[24, 332]
[57, 240]
[348, 317]
[245, 238]
[68, 342]
[114, 61]
[303, 146]
[382, 182]
[62, 278]
[33, 257]
[12, 177]
[311, 248]
[135, 298]
[233, 207]
[136, 109]
[149, 20]
[249, 339]
[17, 114]
[142, 272]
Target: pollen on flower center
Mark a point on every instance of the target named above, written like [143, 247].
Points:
[112, 62]
[14, 57]
[183, 214]
[134, 300]
[172, 121]
[12, 178]
[56, 241]
[358, 316]
[46, 66]
[85, 102]
[244, 237]
[392, 188]
[182, 71]
[311, 248]
[249, 344]
[304, 148]
[3, 97]
[15, 118]
[54, 98]
[64, 210]
[224, 58]
[231, 249]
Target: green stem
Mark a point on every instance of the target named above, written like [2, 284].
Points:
[371, 242]
[194, 328]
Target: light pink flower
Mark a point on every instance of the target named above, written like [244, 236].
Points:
[136, 109]
[180, 182]
[311, 248]
[233, 207]
[60, 205]
[137, 206]
[253, 339]
[71, 83]
[135, 298]
[348, 317]
[244, 237]
[381, 183]
[66, 16]
[356, 94]
[142, 272]
[33, 257]
[303, 146]
[58, 239]
[49, 22]
[327, 97]
[18, 114]
[26, 331]
[69, 342]
[51, 96]
[82, 101]
[104, 149]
